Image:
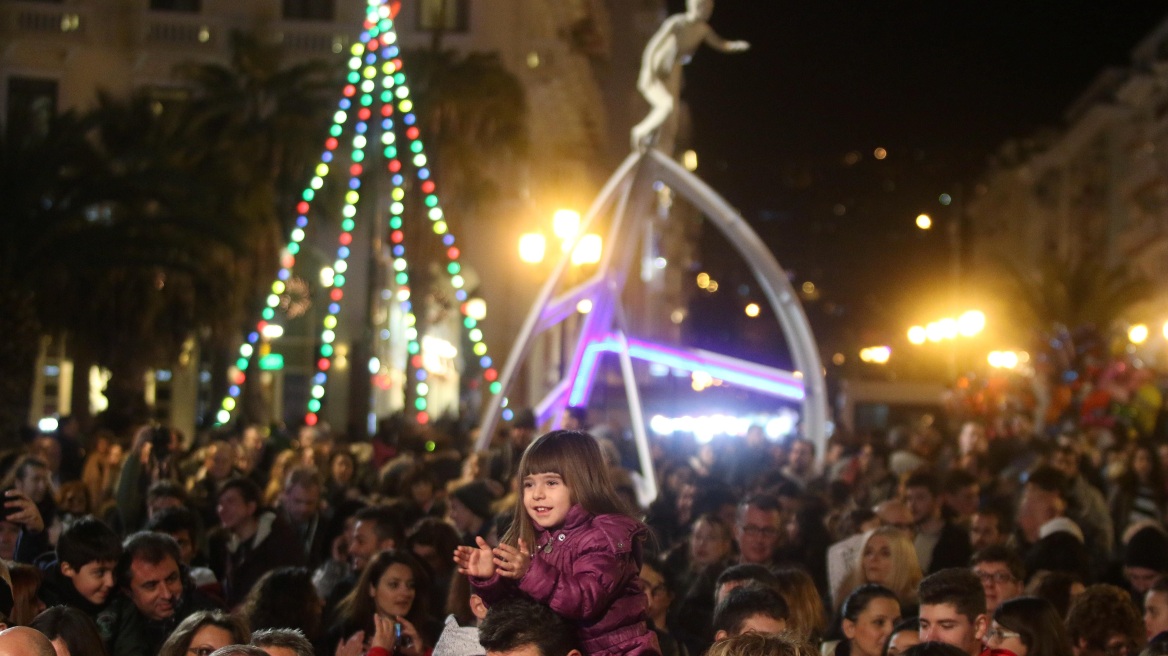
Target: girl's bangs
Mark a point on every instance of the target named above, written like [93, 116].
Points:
[543, 457]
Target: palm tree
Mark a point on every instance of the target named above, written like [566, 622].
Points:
[1077, 292]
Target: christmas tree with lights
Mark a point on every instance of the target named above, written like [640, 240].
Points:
[375, 112]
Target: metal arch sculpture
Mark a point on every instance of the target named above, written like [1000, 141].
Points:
[605, 328]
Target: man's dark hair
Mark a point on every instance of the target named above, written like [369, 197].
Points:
[746, 602]
[166, 489]
[1000, 553]
[173, 520]
[752, 573]
[1048, 479]
[764, 502]
[1003, 515]
[957, 586]
[386, 522]
[88, 540]
[933, 648]
[519, 621]
[287, 638]
[924, 478]
[248, 489]
[957, 480]
[148, 547]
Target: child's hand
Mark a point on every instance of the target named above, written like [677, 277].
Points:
[512, 563]
[475, 561]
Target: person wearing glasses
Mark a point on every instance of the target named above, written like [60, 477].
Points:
[1104, 621]
[1028, 626]
[759, 520]
[203, 632]
[1001, 572]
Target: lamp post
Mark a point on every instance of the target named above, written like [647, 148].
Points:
[583, 250]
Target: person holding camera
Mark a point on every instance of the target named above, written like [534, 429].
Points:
[151, 459]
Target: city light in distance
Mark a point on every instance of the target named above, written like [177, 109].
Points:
[1138, 334]
[752, 310]
[875, 354]
[1006, 359]
[588, 250]
[917, 335]
[532, 247]
[924, 221]
[566, 225]
[689, 159]
[879, 153]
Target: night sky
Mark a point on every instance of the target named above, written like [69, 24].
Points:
[940, 84]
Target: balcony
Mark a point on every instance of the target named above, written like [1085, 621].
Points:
[178, 30]
[306, 39]
[41, 20]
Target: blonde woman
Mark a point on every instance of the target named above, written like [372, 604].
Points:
[886, 557]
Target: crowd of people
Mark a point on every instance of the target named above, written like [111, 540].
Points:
[993, 539]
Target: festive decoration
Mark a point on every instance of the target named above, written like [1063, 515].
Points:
[375, 100]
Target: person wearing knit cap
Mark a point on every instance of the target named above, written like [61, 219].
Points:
[470, 510]
[1145, 559]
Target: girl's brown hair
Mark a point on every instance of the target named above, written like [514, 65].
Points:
[576, 457]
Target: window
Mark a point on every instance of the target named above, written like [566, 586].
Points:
[32, 103]
[320, 10]
[188, 6]
[445, 15]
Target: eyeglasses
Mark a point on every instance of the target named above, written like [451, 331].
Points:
[1001, 578]
[201, 651]
[998, 634]
[760, 531]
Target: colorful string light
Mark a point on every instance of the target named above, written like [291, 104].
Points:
[375, 53]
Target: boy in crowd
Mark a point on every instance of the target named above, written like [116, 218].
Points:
[82, 575]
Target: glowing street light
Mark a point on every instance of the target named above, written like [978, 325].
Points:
[875, 354]
[917, 335]
[1138, 334]
[752, 310]
[588, 250]
[532, 247]
[924, 221]
[971, 323]
[1003, 359]
[566, 225]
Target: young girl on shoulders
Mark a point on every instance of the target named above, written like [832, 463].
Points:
[572, 546]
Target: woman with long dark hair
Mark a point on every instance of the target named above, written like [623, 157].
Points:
[394, 585]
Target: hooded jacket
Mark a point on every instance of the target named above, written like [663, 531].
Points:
[587, 571]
